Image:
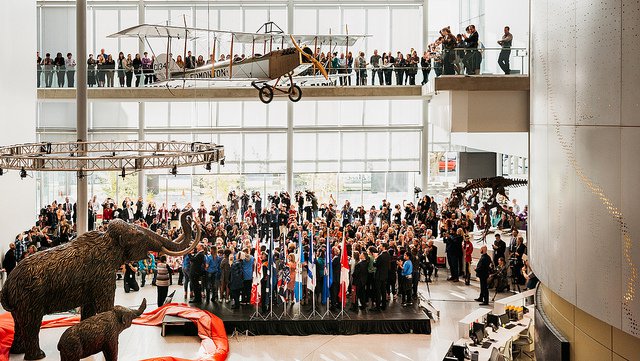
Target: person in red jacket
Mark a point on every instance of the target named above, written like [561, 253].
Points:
[468, 251]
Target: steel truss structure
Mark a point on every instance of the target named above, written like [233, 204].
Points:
[121, 156]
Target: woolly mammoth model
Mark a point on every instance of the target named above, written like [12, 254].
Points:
[97, 333]
[81, 273]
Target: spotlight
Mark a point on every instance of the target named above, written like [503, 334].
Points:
[222, 162]
[23, 173]
[1, 171]
[124, 173]
[208, 166]
[174, 170]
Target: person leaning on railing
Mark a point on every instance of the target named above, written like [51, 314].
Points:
[505, 43]
[425, 66]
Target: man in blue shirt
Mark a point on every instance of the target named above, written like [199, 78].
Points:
[247, 272]
[407, 270]
[212, 266]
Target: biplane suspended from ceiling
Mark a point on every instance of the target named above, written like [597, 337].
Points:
[277, 59]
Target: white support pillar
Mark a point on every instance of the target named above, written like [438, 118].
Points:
[425, 23]
[424, 151]
[142, 186]
[290, 16]
[289, 174]
[18, 103]
[82, 217]
[424, 147]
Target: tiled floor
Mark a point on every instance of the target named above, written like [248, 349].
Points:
[454, 300]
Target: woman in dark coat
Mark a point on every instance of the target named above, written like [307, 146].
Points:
[91, 71]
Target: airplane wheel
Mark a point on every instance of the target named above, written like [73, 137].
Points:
[266, 94]
[295, 93]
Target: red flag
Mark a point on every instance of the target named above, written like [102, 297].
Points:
[344, 271]
[256, 290]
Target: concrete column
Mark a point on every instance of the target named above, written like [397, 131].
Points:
[142, 186]
[81, 111]
[289, 174]
[290, 16]
[424, 147]
[142, 180]
[18, 103]
[141, 20]
[424, 151]
[425, 23]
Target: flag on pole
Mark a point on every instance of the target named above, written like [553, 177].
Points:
[311, 267]
[328, 274]
[256, 290]
[344, 270]
[297, 287]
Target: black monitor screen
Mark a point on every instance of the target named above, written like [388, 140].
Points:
[504, 319]
[493, 320]
[479, 336]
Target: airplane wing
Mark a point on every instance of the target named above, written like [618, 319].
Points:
[169, 31]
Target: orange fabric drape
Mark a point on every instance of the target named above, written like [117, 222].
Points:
[215, 344]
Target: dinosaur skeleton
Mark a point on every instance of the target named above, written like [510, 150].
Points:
[498, 185]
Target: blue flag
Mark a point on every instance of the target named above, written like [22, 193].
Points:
[311, 266]
[328, 274]
[297, 287]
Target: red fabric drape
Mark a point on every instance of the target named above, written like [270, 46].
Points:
[214, 346]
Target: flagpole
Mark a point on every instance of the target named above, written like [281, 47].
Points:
[327, 262]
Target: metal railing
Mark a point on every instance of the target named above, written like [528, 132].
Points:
[458, 61]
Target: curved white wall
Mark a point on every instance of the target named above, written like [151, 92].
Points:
[17, 112]
[585, 155]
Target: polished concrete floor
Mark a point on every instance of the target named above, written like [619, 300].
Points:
[453, 300]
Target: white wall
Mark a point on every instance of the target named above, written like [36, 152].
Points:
[584, 235]
[17, 112]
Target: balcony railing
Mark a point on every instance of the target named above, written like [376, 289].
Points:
[457, 61]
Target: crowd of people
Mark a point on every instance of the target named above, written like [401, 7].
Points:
[449, 54]
[390, 248]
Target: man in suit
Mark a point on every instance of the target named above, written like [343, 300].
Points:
[432, 257]
[335, 284]
[9, 262]
[499, 248]
[190, 61]
[381, 276]
[197, 270]
[482, 271]
[360, 274]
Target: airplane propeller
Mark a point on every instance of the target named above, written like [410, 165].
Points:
[313, 60]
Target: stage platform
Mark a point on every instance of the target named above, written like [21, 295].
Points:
[394, 320]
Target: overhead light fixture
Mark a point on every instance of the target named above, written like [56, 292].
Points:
[222, 162]
[208, 166]
[174, 170]
[23, 173]
[124, 173]
[1, 171]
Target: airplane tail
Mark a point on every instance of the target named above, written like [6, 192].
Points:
[160, 66]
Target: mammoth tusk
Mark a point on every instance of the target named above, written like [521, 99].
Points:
[189, 249]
